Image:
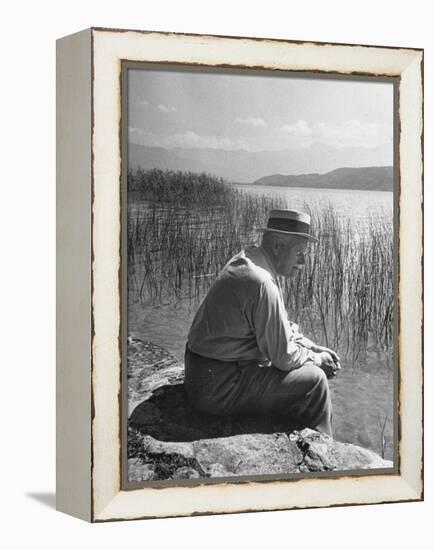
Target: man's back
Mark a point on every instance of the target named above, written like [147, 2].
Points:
[224, 327]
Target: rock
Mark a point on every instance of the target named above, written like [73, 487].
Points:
[322, 453]
[149, 367]
[255, 454]
[186, 473]
[249, 454]
[137, 471]
[167, 439]
[168, 460]
[217, 470]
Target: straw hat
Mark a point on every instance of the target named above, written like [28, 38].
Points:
[289, 222]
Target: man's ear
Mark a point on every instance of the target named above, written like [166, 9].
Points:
[277, 243]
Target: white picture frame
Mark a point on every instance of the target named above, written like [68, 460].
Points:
[89, 349]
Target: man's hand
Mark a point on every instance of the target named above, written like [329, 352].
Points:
[322, 349]
[325, 361]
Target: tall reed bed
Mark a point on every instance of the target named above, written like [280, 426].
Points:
[184, 227]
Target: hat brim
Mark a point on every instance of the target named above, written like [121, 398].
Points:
[305, 235]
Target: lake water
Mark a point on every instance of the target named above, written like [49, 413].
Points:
[353, 204]
[362, 398]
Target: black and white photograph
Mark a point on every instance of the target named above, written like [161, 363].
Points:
[260, 269]
[218, 224]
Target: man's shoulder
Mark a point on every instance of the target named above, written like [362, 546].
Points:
[248, 265]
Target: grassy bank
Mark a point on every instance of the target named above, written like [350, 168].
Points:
[183, 227]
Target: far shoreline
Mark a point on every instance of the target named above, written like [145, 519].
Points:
[308, 187]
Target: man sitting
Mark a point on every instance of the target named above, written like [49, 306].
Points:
[243, 354]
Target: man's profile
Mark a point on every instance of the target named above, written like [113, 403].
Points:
[243, 354]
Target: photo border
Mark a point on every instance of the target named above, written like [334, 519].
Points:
[109, 49]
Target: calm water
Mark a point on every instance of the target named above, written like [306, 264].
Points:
[356, 205]
[362, 399]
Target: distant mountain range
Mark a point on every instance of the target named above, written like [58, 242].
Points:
[372, 178]
[246, 167]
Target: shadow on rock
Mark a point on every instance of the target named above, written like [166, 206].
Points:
[168, 416]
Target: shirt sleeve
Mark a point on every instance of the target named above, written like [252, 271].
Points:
[296, 331]
[299, 337]
[275, 337]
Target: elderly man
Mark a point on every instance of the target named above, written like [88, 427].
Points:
[243, 354]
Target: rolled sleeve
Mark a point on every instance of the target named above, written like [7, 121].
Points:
[274, 334]
[298, 336]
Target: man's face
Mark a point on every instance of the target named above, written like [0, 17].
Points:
[289, 257]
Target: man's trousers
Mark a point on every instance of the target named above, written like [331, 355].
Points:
[247, 388]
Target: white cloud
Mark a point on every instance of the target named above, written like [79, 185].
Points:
[188, 140]
[299, 129]
[251, 121]
[161, 107]
[352, 133]
[166, 108]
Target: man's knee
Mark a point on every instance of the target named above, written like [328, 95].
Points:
[316, 376]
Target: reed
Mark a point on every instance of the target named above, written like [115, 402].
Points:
[183, 228]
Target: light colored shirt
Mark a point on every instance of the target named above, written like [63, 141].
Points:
[243, 316]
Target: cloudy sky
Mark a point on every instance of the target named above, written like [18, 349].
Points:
[179, 108]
